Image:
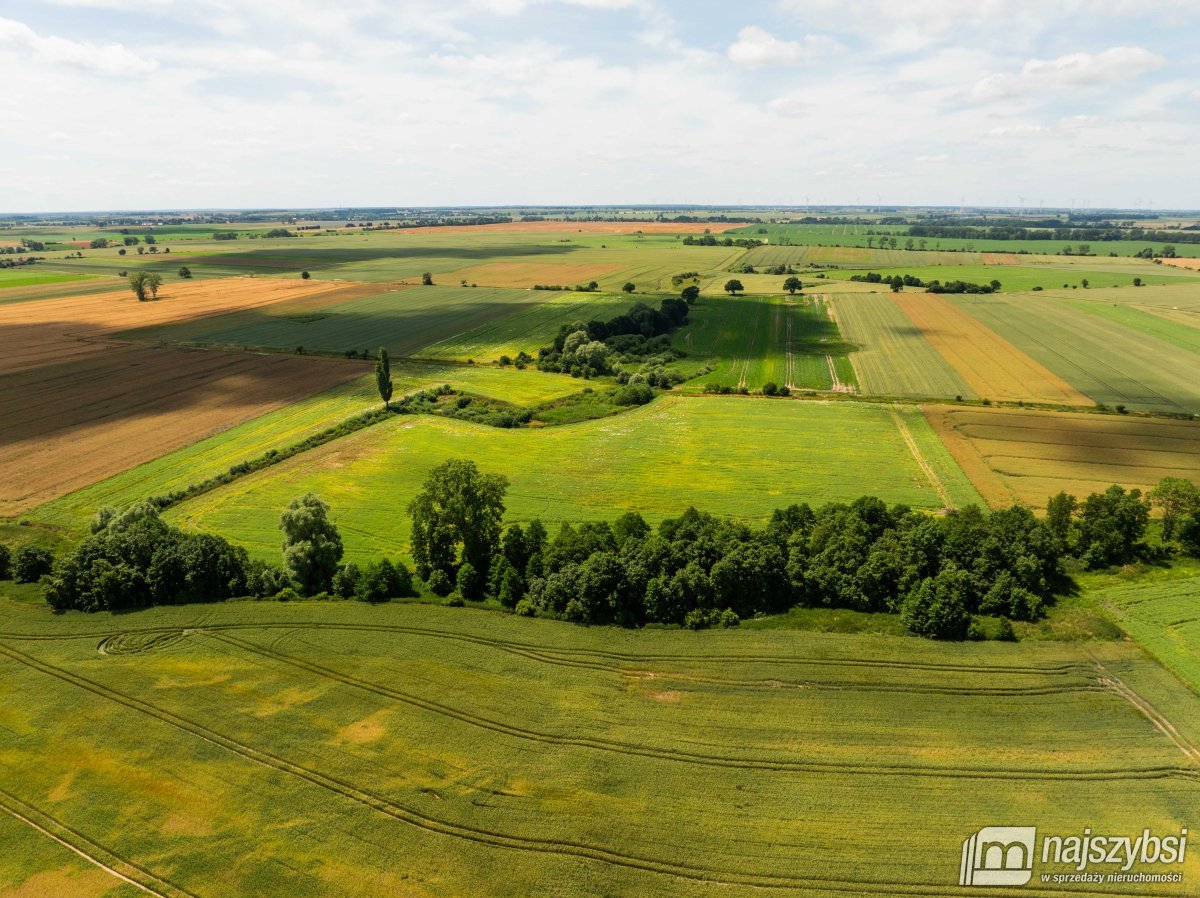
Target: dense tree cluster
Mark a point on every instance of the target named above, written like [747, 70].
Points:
[710, 240]
[898, 281]
[591, 349]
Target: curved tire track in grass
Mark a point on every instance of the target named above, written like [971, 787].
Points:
[478, 835]
[687, 757]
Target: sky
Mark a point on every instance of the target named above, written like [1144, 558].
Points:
[176, 104]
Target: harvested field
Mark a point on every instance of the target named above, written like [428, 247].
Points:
[1193, 264]
[999, 258]
[71, 424]
[529, 274]
[1027, 456]
[51, 331]
[893, 357]
[573, 227]
[993, 367]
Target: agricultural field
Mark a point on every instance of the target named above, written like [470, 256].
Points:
[1015, 278]
[1102, 358]
[994, 367]
[404, 321]
[287, 426]
[142, 402]
[24, 277]
[893, 357]
[753, 340]
[732, 456]
[527, 329]
[52, 331]
[410, 749]
[1018, 455]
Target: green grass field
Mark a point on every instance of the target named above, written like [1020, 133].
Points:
[342, 749]
[729, 456]
[24, 277]
[893, 357]
[291, 425]
[752, 340]
[1099, 355]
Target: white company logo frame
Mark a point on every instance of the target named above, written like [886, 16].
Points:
[998, 856]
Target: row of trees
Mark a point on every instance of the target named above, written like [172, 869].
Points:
[900, 281]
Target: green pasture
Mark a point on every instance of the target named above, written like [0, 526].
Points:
[33, 277]
[1100, 355]
[741, 457]
[893, 357]
[290, 425]
[345, 749]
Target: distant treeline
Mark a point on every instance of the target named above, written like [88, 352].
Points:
[1009, 232]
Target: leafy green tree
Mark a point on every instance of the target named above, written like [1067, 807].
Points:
[5, 562]
[427, 279]
[382, 580]
[733, 286]
[937, 608]
[690, 294]
[383, 377]
[1175, 497]
[1060, 511]
[629, 287]
[31, 563]
[185, 272]
[468, 582]
[1111, 527]
[792, 284]
[304, 275]
[456, 519]
[345, 581]
[312, 546]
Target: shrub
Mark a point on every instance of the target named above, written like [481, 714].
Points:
[454, 601]
[264, 580]
[1005, 631]
[345, 581]
[633, 394]
[5, 562]
[439, 584]
[287, 594]
[31, 564]
[526, 608]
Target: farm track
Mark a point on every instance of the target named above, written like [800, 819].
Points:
[911, 443]
[104, 858]
[478, 835]
[1160, 721]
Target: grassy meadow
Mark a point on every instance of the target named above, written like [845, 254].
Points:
[741, 457]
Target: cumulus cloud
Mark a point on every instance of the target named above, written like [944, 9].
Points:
[107, 59]
[756, 46]
[1073, 71]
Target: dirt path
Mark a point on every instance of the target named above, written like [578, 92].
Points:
[1161, 723]
[926, 468]
[89, 850]
[790, 363]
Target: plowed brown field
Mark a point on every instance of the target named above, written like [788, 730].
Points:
[54, 330]
[1018, 455]
[993, 367]
[70, 424]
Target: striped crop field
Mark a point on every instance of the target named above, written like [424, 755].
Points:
[993, 366]
[1019, 455]
[318, 749]
[893, 357]
[740, 457]
[753, 340]
[1105, 359]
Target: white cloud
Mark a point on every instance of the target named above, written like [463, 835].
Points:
[1070, 72]
[756, 46]
[933, 157]
[787, 107]
[107, 59]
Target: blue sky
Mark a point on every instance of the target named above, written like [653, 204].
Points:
[244, 103]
